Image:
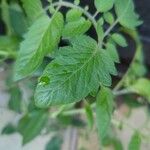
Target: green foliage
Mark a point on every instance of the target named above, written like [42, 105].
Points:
[75, 24]
[109, 18]
[142, 87]
[119, 39]
[5, 16]
[135, 142]
[104, 5]
[15, 99]
[33, 9]
[8, 46]
[75, 65]
[55, 143]
[113, 142]
[16, 13]
[126, 15]
[73, 15]
[99, 29]
[32, 124]
[74, 28]
[36, 44]
[89, 114]
[113, 52]
[104, 108]
[74, 73]
[8, 129]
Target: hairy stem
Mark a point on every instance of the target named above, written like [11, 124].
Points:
[81, 110]
[122, 92]
[6, 54]
[110, 28]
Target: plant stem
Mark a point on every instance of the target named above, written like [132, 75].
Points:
[113, 121]
[122, 92]
[3, 53]
[81, 110]
[70, 5]
[6, 54]
[110, 28]
[96, 13]
[73, 112]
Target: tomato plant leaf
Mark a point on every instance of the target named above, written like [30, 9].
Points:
[73, 15]
[111, 48]
[33, 9]
[32, 124]
[42, 38]
[55, 143]
[109, 18]
[126, 15]
[119, 39]
[142, 87]
[9, 44]
[113, 142]
[77, 27]
[89, 114]
[15, 99]
[75, 72]
[9, 129]
[135, 142]
[104, 5]
[16, 13]
[104, 108]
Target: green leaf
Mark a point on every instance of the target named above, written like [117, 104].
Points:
[6, 16]
[33, 9]
[32, 124]
[8, 129]
[75, 72]
[119, 39]
[65, 121]
[100, 30]
[111, 48]
[138, 69]
[126, 15]
[89, 114]
[43, 37]
[113, 142]
[8, 47]
[73, 15]
[104, 108]
[141, 87]
[16, 13]
[8, 43]
[15, 99]
[135, 142]
[55, 143]
[117, 144]
[75, 28]
[104, 5]
[76, 2]
[109, 18]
